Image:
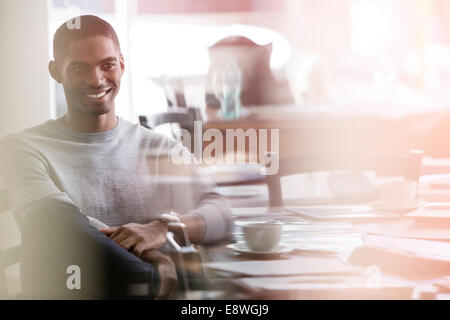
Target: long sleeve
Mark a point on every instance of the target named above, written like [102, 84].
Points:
[193, 191]
[25, 174]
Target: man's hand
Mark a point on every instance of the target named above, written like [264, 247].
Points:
[167, 273]
[138, 238]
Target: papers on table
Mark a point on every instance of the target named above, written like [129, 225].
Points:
[335, 287]
[431, 230]
[436, 206]
[432, 211]
[368, 212]
[324, 245]
[306, 265]
[411, 258]
[441, 180]
[342, 212]
[432, 250]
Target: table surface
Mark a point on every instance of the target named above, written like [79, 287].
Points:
[225, 286]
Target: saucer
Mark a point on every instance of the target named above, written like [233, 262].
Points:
[379, 206]
[241, 247]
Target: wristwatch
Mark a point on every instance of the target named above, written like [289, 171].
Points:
[174, 223]
[167, 218]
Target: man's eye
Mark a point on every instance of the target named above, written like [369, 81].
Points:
[108, 66]
[78, 69]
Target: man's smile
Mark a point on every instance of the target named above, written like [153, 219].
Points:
[97, 94]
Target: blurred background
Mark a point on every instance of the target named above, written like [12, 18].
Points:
[358, 56]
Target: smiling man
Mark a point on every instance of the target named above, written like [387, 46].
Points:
[90, 73]
[92, 164]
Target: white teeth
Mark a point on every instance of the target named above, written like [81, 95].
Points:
[96, 96]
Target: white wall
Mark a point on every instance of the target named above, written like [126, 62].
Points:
[24, 88]
[24, 80]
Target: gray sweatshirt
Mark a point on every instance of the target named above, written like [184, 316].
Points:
[118, 176]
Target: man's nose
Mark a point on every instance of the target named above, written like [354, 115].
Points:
[95, 78]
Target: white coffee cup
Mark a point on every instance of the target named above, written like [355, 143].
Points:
[262, 236]
[398, 194]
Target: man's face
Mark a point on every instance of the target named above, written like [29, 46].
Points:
[90, 73]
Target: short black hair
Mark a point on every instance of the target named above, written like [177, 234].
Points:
[81, 27]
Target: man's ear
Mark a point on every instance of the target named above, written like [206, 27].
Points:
[122, 64]
[54, 71]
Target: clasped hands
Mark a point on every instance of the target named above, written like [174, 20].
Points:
[138, 238]
[143, 240]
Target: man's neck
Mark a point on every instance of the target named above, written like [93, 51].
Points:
[89, 123]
